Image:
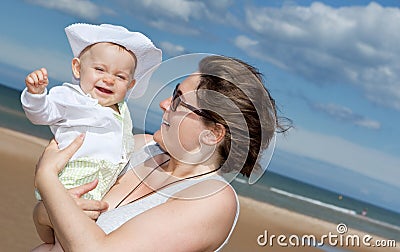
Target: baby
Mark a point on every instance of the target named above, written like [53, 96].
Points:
[108, 61]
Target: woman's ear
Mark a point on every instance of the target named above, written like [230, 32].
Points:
[214, 135]
[76, 67]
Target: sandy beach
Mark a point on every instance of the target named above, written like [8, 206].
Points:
[19, 154]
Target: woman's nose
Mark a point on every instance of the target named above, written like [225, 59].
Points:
[165, 104]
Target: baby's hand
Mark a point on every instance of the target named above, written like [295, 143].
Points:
[37, 81]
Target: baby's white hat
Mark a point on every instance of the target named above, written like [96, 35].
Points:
[147, 55]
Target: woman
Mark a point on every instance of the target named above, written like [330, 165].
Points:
[218, 122]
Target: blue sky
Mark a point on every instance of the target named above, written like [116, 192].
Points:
[332, 66]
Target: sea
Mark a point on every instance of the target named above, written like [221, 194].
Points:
[273, 188]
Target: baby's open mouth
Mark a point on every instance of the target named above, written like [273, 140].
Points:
[104, 90]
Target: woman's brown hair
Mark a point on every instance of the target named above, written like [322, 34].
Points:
[243, 106]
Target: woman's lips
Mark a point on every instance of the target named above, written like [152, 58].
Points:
[165, 123]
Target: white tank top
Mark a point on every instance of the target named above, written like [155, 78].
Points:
[111, 220]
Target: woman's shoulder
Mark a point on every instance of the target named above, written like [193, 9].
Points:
[213, 212]
[217, 192]
[205, 221]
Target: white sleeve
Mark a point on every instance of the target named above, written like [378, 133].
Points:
[40, 109]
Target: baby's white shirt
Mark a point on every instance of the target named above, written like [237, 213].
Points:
[69, 112]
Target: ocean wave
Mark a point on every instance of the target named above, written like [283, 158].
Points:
[11, 111]
[335, 208]
[313, 201]
[241, 180]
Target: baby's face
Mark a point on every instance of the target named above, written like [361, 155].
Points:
[106, 73]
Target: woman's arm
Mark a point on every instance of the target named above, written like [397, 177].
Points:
[185, 225]
[91, 208]
[70, 224]
[200, 224]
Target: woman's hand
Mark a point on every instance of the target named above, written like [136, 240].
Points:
[53, 160]
[92, 208]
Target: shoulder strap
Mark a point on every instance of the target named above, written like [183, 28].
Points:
[145, 153]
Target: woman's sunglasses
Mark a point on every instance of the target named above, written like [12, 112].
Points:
[176, 101]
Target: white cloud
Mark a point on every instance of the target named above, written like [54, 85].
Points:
[172, 26]
[80, 8]
[220, 4]
[171, 49]
[254, 49]
[186, 17]
[341, 152]
[27, 58]
[368, 123]
[356, 45]
[244, 42]
[182, 9]
[173, 16]
[347, 115]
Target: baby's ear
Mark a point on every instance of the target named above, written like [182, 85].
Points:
[131, 84]
[76, 67]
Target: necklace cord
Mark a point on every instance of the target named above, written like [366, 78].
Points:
[162, 187]
[141, 182]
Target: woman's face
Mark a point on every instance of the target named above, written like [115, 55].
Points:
[182, 130]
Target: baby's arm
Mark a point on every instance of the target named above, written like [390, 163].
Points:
[42, 223]
[37, 81]
[38, 107]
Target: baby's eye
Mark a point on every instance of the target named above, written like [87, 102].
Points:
[122, 77]
[99, 69]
